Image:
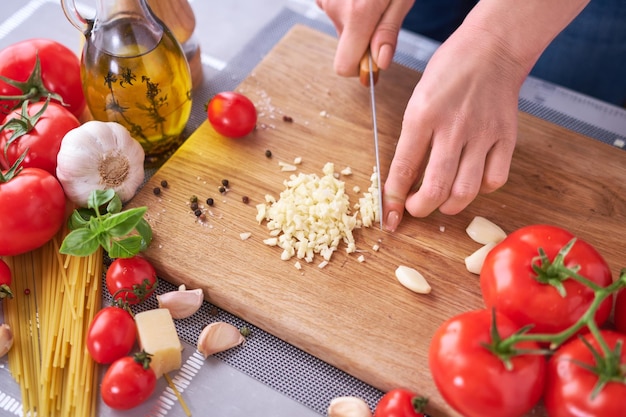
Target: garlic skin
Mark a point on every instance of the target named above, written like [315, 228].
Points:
[98, 156]
[6, 339]
[181, 303]
[218, 337]
[348, 407]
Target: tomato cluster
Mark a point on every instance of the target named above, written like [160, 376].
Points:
[41, 98]
[112, 334]
[543, 333]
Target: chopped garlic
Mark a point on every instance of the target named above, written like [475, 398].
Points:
[298, 265]
[376, 247]
[368, 204]
[284, 166]
[346, 171]
[312, 216]
[361, 258]
[245, 235]
[297, 160]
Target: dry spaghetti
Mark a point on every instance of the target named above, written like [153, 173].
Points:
[55, 299]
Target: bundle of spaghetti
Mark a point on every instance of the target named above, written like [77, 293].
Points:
[56, 298]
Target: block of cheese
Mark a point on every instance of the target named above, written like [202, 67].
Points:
[157, 336]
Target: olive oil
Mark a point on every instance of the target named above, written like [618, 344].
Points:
[138, 77]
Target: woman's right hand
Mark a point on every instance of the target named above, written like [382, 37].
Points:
[361, 24]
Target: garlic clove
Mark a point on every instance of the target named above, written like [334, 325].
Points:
[348, 407]
[412, 279]
[181, 303]
[474, 262]
[484, 231]
[218, 337]
[6, 339]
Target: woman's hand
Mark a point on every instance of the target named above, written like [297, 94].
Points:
[361, 24]
[459, 130]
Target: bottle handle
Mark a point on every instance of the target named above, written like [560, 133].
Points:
[76, 19]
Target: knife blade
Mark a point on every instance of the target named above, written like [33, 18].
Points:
[368, 75]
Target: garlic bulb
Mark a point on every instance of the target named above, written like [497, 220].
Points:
[99, 156]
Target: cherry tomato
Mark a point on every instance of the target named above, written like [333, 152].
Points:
[131, 279]
[60, 72]
[472, 379]
[509, 283]
[128, 382]
[400, 403]
[5, 280]
[42, 139]
[619, 316]
[569, 382]
[32, 210]
[111, 335]
[232, 114]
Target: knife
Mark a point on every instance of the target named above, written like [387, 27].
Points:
[368, 74]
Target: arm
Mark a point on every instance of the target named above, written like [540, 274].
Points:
[460, 125]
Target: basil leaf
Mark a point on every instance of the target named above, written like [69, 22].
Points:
[145, 231]
[98, 198]
[77, 221]
[80, 242]
[115, 205]
[125, 248]
[121, 224]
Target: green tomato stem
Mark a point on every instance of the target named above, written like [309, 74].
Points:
[587, 319]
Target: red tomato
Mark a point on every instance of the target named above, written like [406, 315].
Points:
[509, 284]
[473, 380]
[400, 403]
[42, 140]
[131, 279]
[128, 382]
[569, 384]
[111, 334]
[619, 316]
[5, 280]
[32, 210]
[60, 72]
[232, 114]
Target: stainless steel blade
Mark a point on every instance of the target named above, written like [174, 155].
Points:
[375, 128]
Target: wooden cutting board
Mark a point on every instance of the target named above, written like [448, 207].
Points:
[352, 314]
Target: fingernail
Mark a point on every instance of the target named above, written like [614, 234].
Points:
[385, 56]
[393, 218]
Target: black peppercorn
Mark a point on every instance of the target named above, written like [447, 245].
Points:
[245, 199]
[156, 190]
[222, 189]
[268, 153]
[194, 205]
[164, 184]
[225, 183]
[209, 201]
[198, 212]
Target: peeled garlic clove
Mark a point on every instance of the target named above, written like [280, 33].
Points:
[181, 303]
[412, 279]
[6, 339]
[485, 231]
[474, 262]
[348, 407]
[218, 337]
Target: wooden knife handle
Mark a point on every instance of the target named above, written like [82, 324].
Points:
[364, 69]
